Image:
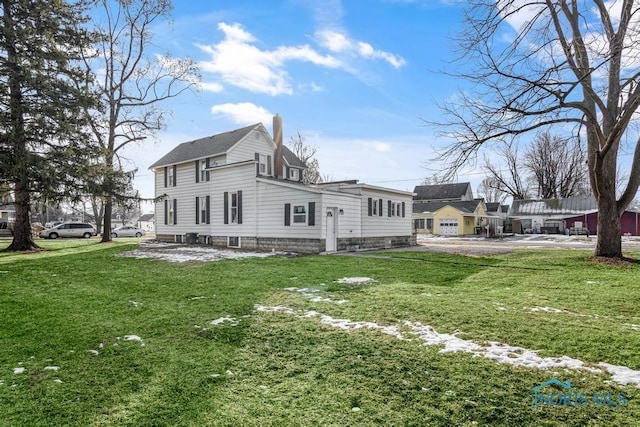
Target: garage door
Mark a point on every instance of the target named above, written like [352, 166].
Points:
[448, 227]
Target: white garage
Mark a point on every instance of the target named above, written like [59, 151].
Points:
[448, 226]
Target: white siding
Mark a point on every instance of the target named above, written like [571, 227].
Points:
[271, 202]
[232, 179]
[379, 226]
[349, 223]
[185, 191]
[254, 142]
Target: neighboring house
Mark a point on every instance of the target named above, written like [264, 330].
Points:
[147, 222]
[450, 218]
[244, 189]
[7, 212]
[548, 215]
[443, 192]
[629, 222]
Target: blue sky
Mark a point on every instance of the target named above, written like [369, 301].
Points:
[354, 77]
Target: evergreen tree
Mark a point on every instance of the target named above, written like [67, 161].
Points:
[42, 145]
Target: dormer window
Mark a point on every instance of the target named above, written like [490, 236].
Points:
[294, 174]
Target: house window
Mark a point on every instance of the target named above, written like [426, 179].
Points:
[262, 164]
[299, 215]
[294, 174]
[233, 242]
[397, 209]
[429, 223]
[234, 208]
[203, 171]
[171, 176]
[203, 210]
[419, 224]
[172, 212]
[375, 206]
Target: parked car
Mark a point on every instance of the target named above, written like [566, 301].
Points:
[69, 229]
[128, 231]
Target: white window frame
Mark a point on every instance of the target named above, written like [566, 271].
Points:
[203, 170]
[262, 168]
[229, 242]
[202, 212]
[299, 214]
[171, 213]
[170, 177]
[233, 208]
[294, 174]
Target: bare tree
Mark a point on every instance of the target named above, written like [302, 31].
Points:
[491, 191]
[507, 177]
[133, 82]
[542, 63]
[557, 166]
[306, 153]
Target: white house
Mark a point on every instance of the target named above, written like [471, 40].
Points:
[244, 189]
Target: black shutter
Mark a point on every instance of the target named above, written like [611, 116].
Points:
[208, 172]
[165, 176]
[312, 213]
[269, 165]
[402, 209]
[208, 202]
[287, 214]
[175, 211]
[389, 208]
[197, 171]
[197, 210]
[257, 163]
[226, 207]
[166, 211]
[175, 175]
[370, 201]
[239, 201]
[380, 206]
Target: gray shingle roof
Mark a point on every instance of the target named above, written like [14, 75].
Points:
[146, 217]
[204, 147]
[466, 206]
[441, 191]
[291, 158]
[492, 207]
[567, 206]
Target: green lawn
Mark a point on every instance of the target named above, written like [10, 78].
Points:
[74, 306]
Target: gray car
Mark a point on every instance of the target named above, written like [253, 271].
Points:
[69, 229]
[127, 231]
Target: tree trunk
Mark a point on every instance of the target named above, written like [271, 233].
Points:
[106, 232]
[22, 237]
[609, 228]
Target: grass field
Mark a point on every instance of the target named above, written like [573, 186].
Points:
[90, 339]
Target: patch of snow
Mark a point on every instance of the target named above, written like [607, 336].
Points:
[591, 282]
[134, 338]
[179, 253]
[548, 310]
[356, 280]
[230, 373]
[215, 375]
[51, 368]
[197, 298]
[58, 381]
[134, 303]
[221, 320]
[94, 352]
[632, 326]
[496, 351]
[19, 370]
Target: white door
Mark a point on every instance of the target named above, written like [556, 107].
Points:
[331, 230]
[448, 226]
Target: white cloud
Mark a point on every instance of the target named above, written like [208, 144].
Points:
[237, 61]
[338, 42]
[378, 147]
[243, 113]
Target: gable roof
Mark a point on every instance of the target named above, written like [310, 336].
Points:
[493, 207]
[291, 158]
[566, 206]
[204, 147]
[464, 206]
[146, 217]
[441, 191]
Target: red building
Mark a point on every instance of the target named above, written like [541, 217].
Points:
[630, 222]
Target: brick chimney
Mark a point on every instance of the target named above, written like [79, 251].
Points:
[278, 159]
